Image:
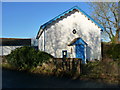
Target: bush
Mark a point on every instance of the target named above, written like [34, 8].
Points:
[114, 51]
[26, 58]
[102, 70]
[43, 57]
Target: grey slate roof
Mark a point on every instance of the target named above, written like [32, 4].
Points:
[15, 42]
[64, 13]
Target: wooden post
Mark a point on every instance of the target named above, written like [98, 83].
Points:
[69, 64]
[66, 64]
[63, 64]
[78, 66]
[73, 65]
[81, 66]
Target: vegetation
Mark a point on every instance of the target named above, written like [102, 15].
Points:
[114, 51]
[106, 70]
[106, 13]
[26, 58]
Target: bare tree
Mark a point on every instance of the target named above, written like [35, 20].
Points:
[106, 13]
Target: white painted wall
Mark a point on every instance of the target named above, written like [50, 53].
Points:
[5, 50]
[59, 35]
[41, 42]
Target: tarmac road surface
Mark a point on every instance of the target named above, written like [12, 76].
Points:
[16, 79]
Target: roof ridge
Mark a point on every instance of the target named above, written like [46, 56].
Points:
[58, 16]
[62, 14]
[90, 18]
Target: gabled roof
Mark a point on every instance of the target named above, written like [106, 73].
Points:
[76, 41]
[64, 13]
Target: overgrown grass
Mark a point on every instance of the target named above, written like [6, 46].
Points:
[50, 68]
[106, 71]
[7, 66]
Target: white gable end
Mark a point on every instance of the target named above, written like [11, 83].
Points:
[59, 34]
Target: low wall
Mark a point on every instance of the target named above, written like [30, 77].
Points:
[5, 50]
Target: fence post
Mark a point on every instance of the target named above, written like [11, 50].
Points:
[78, 66]
[69, 64]
[81, 67]
[73, 66]
[63, 64]
[66, 64]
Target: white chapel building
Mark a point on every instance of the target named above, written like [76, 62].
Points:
[72, 33]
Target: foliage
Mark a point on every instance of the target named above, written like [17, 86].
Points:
[43, 57]
[25, 58]
[102, 70]
[113, 51]
[7, 66]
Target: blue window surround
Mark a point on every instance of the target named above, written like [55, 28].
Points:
[75, 7]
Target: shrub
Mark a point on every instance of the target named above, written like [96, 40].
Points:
[102, 70]
[114, 51]
[27, 57]
[43, 57]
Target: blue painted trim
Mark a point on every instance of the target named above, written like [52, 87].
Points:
[80, 40]
[91, 19]
[75, 7]
[80, 53]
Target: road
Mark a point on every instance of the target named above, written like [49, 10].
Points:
[15, 79]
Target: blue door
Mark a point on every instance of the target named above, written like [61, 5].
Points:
[80, 51]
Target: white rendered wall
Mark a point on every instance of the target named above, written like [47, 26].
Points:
[59, 35]
[5, 50]
[41, 42]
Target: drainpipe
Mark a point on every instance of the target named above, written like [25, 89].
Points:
[2, 50]
[44, 40]
[85, 53]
